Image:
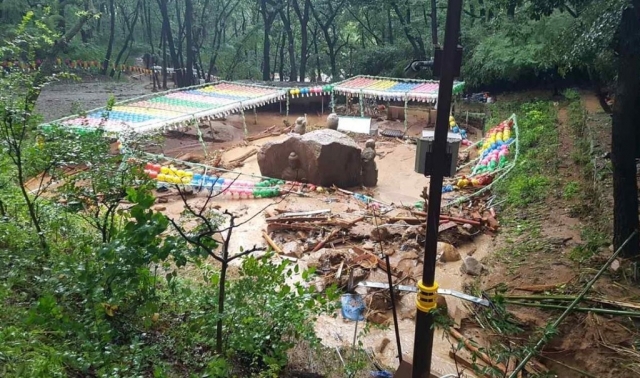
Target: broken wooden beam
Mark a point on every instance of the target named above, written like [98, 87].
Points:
[262, 136]
[243, 157]
[473, 349]
[271, 227]
[296, 219]
[271, 243]
[324, 241]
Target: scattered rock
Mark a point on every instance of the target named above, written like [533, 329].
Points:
[448, 253]
[409, 245]
[162, 200]
[471, 266]
[369, 246]
[407, 307]
[398, 228]
[378, 317]
[406, 265]
[292, 249]
[441, 301]
[361, 230]
[410, 256]
[159, 208]
[615, 265]
[412, 232]
[380, 234]
[327, 157]
[332, 121]
[359, 274]
[382, 346]
[191, 158]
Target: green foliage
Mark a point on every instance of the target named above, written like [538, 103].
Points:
[570, 190]
[529, 181]
[381, 61]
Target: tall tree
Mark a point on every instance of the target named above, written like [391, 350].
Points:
[303, 18]
[325, 15]
[269, 10]
[131, 26]
[168, 39]
[112, 35]
[414, 38]
[286, 22]
[188, 26]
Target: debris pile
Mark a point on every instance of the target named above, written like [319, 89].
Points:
[362, 245]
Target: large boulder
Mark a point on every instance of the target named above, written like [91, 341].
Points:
[327, 157]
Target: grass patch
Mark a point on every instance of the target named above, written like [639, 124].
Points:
[529, 182]
[589, 191]
[593, 241]
[571, 190]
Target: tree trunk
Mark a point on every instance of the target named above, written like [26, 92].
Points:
[112, 33]
[280, 53]
[165, 58]
[129, 40]
[147, 14]
[286, 22]
[303, 18]
[267, 18]
[318, 76]
[188, 26]
[415, 40]
[626, 112]
[168, 36]
[390, 25]
[434, 23]
[266, 54]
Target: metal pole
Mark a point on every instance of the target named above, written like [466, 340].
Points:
[423, 344]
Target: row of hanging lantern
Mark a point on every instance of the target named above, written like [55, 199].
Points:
[387, 96]
[311, 91]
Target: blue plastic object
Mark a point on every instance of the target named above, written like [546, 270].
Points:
[380, 374]
[447, 189]
[352, 307]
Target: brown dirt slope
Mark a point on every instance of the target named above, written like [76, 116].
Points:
[566, 251]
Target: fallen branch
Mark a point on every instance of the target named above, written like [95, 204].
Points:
[631, 314]
[484, 357]
[321, 243]
[302, 213]
[540, 288]
[243, 157]
[271, 243]
[258, 137]
[466, 363]
[611, 302]
[290, 227]
[296, 219]
[460, 220]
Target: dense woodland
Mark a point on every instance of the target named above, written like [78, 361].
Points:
[505, 41]
[78, 297]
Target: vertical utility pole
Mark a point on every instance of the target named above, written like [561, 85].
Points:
[427, 287]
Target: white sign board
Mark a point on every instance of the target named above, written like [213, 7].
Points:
[356, 125]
